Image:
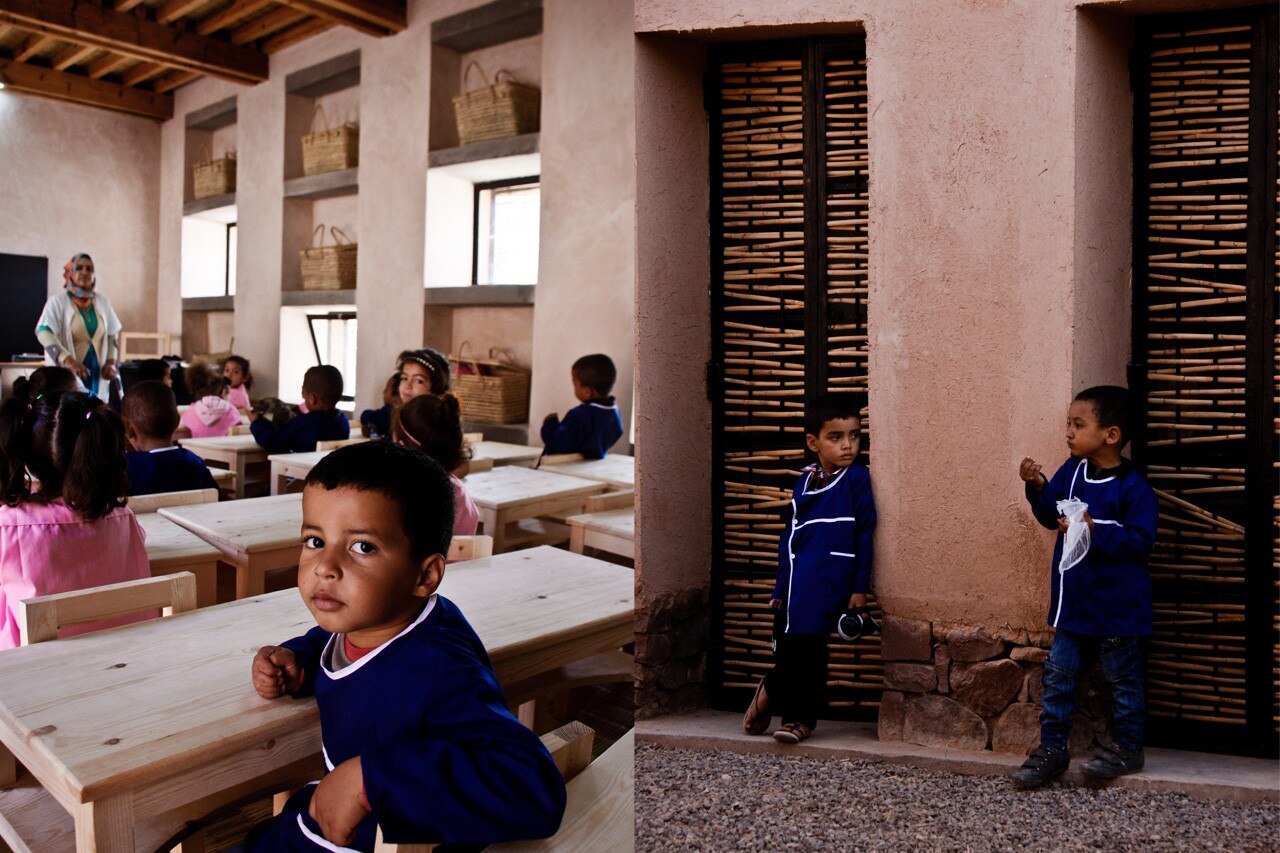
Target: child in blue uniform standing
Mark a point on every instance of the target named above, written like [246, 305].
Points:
[1101, 605]
[417, 736]
[592, 427]
[824, 566]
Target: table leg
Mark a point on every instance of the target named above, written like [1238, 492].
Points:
[577, 538]
[239, 465]
[277, 478]
[105, 826]
[499, 529]
[206, 583]
[250, 580]
[8, 767]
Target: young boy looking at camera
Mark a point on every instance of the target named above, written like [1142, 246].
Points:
[824, 567]
[1101, 605]
[417, 736]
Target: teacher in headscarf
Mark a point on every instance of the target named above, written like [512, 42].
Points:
[78, 329]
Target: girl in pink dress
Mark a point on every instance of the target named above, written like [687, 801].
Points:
[63, 521]
[433, 426]
[212, 413]
[236, 370]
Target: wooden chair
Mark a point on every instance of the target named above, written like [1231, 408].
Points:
[150, 503]
[338, 442]
[40, 618]
[475, 466]
[570, 748]
[470, 548]
[134, 345]
[529, 695]
[240, 429]
[611, 500]
[472, 437]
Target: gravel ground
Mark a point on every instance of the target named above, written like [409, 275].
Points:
[689, 800]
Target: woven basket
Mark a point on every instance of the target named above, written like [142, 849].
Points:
[492, 391]
[214, 177]
[331, 149]
[505, 108]
[329, 267]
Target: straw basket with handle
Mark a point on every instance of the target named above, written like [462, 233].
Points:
[329, 267]
[214, 177]
[492, 390]
[496, 111]
[331, 149]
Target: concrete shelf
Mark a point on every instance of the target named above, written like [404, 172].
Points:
[193, 208]
[326, 185]
[306, 298]
[482, 294]
[491, 149]
[487, 25]
[208, 303]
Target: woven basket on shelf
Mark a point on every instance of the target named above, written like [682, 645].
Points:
[214, 177]
[505, 108]
[331, 149]
[492, 391]
[329, 267]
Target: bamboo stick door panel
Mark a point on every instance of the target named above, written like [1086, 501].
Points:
[1205, 294]
[789, 298]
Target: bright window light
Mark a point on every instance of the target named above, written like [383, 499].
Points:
[507, 232]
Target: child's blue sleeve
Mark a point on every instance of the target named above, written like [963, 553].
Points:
[1134, 533]
[1044, 503]
[286, 439]
[308, 649]
[568, 436]
[473, 775]
[864, 511]
[267, 436]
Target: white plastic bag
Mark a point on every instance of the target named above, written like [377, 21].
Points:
[1075, 543]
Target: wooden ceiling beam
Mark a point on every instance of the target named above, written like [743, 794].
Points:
[126, 5]
[142, 72]
[230, 16]
[109, 64]
[76, 54]
[175, 79]
[301, 32]
[265, 25]
[390, 15]
[135, 36]
[175, 9]
[35, 80]
[32, 46]
[323, 10]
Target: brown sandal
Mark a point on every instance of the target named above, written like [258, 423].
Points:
[792, 733]
[757, 719]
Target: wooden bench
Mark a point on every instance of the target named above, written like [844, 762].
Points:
[462, 548]
[150, 503]
[40, 618]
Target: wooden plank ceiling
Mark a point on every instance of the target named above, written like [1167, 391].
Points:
[129, 55]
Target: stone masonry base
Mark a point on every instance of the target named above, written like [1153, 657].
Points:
[671, 659]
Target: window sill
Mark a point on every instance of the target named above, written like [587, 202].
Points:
[209, 303]
[482, 294]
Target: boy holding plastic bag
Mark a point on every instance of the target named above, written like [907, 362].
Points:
[1100, 596]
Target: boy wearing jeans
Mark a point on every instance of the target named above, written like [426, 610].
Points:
[1101, 605]
[824, 566]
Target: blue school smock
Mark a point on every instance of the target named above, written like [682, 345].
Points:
[172, 469]
[1108, 593]
[825, 553]
[443, 759]
[301, 432]
[590, 428]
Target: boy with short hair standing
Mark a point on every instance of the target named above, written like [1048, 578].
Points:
[1101, 605]
[824, 566]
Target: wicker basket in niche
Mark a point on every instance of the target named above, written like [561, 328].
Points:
[214, 177]
[492, 390]
[329, 267]
[331, 149]
[496, 111]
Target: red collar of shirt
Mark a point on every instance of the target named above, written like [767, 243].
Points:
[353, 653]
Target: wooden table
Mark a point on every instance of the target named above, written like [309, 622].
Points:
[615, 469]
[255, 535]
[503, 453]
[511, 493]
[237, 452]
[612, 530]
[292, 465]
[172, 548]
[136, 730]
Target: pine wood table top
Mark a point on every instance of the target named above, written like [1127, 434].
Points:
[503, 453]
[615, 469]
[615, 522]
[243, 444]
[171, 544]
[243, 527]
[511, 486]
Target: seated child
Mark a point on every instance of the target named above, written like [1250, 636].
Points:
[155, 463]
[823, 568]
[1100, 606]
[422, 371]
[321, 390]
[417, 735]
[212, 413]
[236, 371]
[433, 426]
[376, 423]
[155, 369]
[592, 427]
[44, 380]
[74, 532]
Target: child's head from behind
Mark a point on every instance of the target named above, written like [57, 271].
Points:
[236, 370]
[154, 368]
[1099, 422]
[833, 429]
[204, 380]
[72, 443]
[42, 381]
[322, 387]
[422, 371]
[149, 411]
[432, 425]
[377, 520]
[593, 377]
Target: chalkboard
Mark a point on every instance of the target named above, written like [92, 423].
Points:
[23, 290]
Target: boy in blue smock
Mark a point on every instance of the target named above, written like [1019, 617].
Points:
[592, 427]
[416, 733]
[322, 421]
[1100, 604]
[155, 463]
[824, 567]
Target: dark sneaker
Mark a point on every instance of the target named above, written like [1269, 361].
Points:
[757, 719]
[1043, 765]
[792, 733]
[1114, 760]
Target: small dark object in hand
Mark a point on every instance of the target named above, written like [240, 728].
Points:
[856, 622]
[275, 410]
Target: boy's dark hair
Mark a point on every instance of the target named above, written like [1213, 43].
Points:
[830, 407]
[411, 480]
[244, 368]
[1112, 406]
[432, 425]
[44, 380]
[325, 381]
[597, 372]
[152, 409]
[152, 368]
[434, 362]
[72, 443]
[204, 381]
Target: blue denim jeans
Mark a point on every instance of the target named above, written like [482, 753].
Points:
[1122, 667]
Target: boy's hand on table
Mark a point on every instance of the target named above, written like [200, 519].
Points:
[1031, 472]
[338, 804]
[276, 672]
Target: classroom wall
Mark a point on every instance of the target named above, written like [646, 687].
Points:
[75, 179]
